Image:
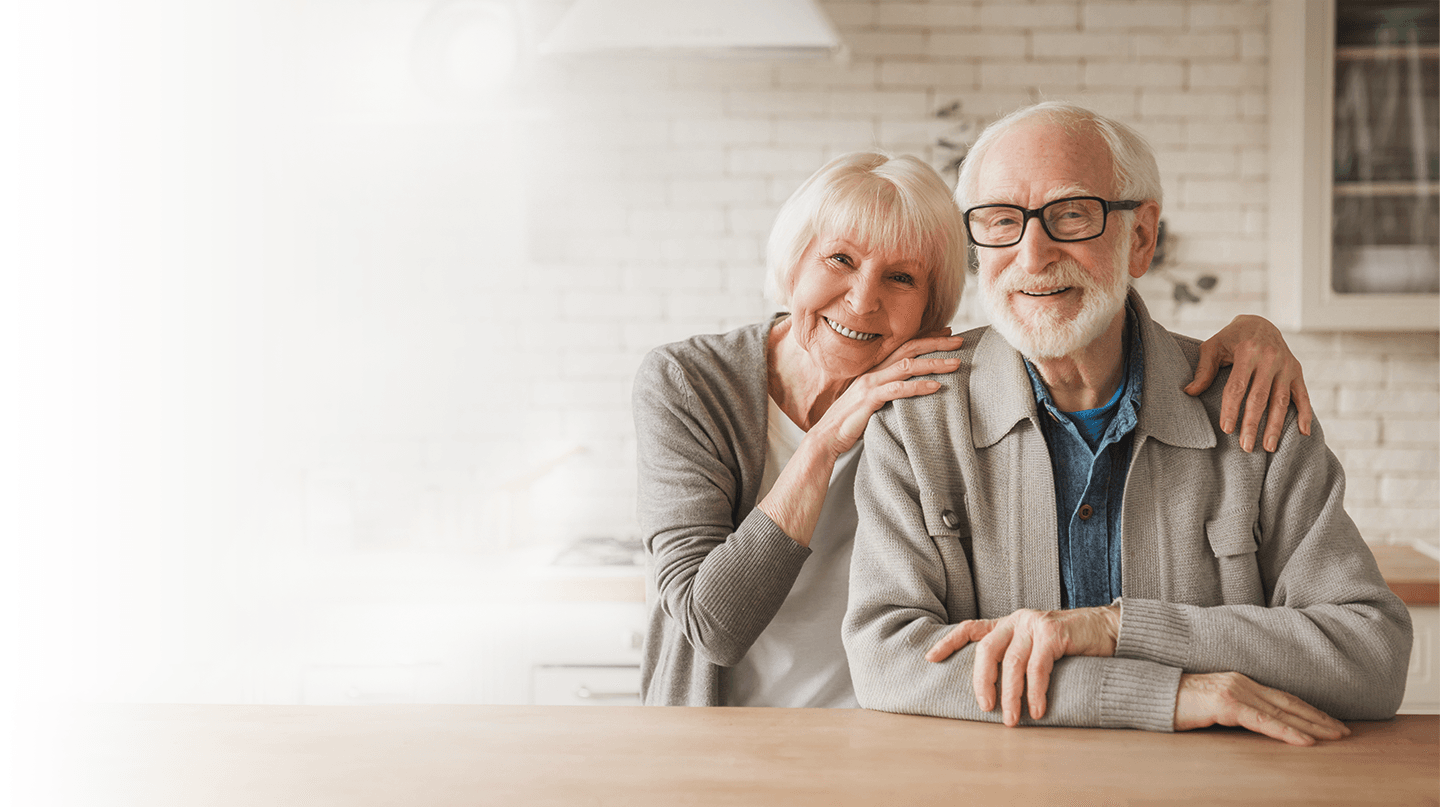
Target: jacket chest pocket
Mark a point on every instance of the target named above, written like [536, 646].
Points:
[1234, 546]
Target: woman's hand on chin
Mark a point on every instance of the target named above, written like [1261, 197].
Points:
[902, 374]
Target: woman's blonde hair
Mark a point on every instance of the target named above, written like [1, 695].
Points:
[896, 204]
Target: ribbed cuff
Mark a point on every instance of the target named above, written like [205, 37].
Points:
[1138, 695]
[1152, 630]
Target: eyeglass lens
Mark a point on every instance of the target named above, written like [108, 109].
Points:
[1064, 220]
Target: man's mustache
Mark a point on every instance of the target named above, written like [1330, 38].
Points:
[1064, 273]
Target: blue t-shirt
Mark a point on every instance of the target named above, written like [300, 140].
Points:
[1090, 458]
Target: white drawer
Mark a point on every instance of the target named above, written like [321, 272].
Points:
[591, 685]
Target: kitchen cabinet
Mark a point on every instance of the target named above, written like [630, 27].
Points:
[1422, 685]
[1415, 579]
[585, 685]
[1355, 165]
[415, 628]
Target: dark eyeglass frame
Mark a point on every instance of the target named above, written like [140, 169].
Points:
[1105, 205]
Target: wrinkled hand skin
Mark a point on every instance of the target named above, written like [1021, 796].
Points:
[1025, 646]
[902, 374]
[1233, 699]
[1263, 371]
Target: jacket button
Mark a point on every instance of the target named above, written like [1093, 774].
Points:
[1086, 511]
[949, 519]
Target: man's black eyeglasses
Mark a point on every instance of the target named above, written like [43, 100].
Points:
[1078, 218]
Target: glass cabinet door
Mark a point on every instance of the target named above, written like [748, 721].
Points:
[1386, 147]
[1355, 164]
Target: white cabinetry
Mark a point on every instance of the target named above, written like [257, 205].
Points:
[583, 685]
[1354, 180]
[1422, 687]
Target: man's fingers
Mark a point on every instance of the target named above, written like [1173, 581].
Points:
[1261, 723]
[987, 661]
[1017, 659]
[1037, 682]
[1300, 714]
[1232, 699]
[959, 636]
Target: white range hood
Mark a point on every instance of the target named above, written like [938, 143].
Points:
[783, 28]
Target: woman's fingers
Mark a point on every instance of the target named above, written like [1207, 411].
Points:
[920, 346]
[1261, 386]
[1265, 378]
[1233, 398]
[1275, 418]
[1300, 395]
[1205, 370]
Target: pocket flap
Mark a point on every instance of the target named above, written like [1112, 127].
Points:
[1226, 540]
[945, 518]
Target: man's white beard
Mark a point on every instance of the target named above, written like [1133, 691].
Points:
[1047, 334]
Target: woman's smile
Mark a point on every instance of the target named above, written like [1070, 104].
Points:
[849, 334]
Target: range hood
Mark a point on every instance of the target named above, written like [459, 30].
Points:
[727, 28]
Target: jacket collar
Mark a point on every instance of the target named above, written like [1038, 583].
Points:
[1001, 394]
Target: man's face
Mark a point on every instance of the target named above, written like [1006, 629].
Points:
[1049, 298]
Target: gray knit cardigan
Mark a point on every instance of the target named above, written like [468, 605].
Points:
[1231, 561]
[717, 568]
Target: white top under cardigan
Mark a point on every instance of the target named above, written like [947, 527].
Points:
[799, 660]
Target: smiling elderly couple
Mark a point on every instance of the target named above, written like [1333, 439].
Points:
[1054, 520]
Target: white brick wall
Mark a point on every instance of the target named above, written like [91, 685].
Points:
[1191, 75]
[650, 184]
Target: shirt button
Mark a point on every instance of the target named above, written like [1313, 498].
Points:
[1086, 511]
[949, 519]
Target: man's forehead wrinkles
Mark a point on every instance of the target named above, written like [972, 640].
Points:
[1023, 196]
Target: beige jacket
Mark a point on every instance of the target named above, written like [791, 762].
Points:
[1231, 561]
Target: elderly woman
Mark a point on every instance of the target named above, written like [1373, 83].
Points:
[748, 440]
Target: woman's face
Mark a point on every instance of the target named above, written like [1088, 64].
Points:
[853, 305]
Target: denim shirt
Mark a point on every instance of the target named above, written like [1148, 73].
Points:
[1090, 480]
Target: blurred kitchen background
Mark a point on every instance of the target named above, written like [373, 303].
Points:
[320, 316]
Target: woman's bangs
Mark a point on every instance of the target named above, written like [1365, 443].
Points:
[879, 219]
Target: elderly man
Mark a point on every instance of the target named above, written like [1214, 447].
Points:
[1061, 523]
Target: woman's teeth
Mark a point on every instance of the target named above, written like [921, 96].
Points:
[849, 334]
[1045, 293]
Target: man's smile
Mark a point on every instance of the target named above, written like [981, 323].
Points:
[1046, 293]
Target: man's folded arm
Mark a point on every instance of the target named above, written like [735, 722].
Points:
[900, 584]
[1331, 632]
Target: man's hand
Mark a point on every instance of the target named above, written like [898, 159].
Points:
[1028, 643]
[1263, 365]
[1232, 699]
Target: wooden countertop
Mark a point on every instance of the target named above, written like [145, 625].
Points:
[1411, 575]
[436, 756]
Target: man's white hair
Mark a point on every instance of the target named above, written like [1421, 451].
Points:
[1137, 176]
